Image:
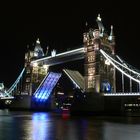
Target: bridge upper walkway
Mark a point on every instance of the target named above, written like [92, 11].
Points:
[60, 58]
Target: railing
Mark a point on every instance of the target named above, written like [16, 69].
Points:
[122, 94]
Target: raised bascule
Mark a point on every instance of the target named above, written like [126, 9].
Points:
[85, 79]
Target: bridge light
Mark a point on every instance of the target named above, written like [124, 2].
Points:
[46, 67]
[53, 53]
[1, 86]
[37, 41]
[60, 93]
[8, 102]
[35, 54]
[35, 64]
[107, 62]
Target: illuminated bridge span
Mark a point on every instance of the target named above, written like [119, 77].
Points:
[102, 68]
[126, 70]
[16, 83]
[121, 66]
[9, 93]
[5, 95]
[64, 57]
[47, 85]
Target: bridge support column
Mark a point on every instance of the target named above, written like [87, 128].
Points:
[92, 77]
[99, 73]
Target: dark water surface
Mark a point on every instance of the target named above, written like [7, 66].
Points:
[51, 126]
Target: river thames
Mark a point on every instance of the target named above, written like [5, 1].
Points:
[22, 125]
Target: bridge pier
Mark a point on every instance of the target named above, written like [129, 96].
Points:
[21, 102]
[27, 102]
[97, 104]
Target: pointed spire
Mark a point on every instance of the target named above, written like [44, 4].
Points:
[86, 23]
[86, 27]
[111, 37]
[99, 17]
[111, 32]
[47, 49]
[27, 47]
[100, 24]
[37, 41]
[33, 44]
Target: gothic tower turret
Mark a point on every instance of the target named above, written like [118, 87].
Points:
[35, 72]
[99, 74]
[28, 70]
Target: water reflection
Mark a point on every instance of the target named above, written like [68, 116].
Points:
[49, 126]
[41, 126]
[117, 131]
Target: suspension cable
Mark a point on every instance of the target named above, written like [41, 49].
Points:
[16, 82]
[117, 67]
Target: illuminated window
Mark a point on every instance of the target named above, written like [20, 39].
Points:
[91, 58]
[28, 70]
[96, 46]
[91, 70]
[96, 34]
[85, 38]
[27, 79]
[90, 84]
[27, 87]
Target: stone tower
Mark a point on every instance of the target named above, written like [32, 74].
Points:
[99, 74]
[28, 70]
[35, 72]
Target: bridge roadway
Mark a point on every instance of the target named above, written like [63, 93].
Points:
[60, 58]
[5, 95]
[3, 98]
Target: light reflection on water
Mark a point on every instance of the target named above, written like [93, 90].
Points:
[49, 126]
[41, 126]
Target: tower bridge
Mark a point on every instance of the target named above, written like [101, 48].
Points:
[95, 90]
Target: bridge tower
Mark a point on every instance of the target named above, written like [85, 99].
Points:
[99, 74]
[34, 72]
[28, 69]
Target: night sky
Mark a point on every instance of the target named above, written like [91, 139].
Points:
[60, 25]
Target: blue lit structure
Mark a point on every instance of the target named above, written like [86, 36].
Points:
[46, 87]
[105, 87]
